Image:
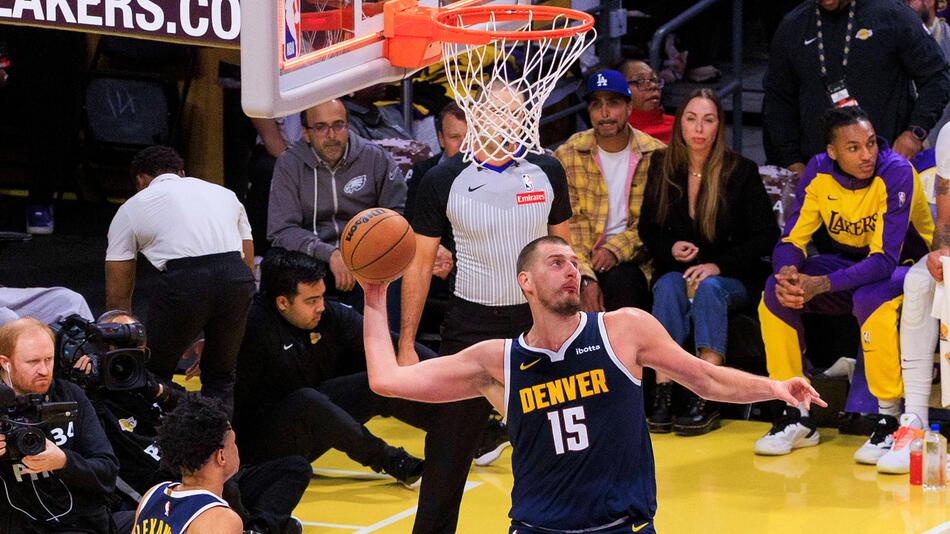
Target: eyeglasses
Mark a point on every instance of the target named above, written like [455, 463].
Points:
[322, 128]
[647, 83]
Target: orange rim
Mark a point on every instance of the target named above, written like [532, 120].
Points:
[471, 16]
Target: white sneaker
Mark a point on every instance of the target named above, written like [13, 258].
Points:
[881, 440]
[897, 460]
[790, 431]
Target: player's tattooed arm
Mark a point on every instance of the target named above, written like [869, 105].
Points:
[941, 237]
[942, 229]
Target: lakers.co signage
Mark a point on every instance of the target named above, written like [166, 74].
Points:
[210, 22]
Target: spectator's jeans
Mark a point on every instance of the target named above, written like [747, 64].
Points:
[876, 306]
[708, 313]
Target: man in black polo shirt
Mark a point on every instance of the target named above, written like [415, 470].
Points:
[485, 211]
[301, 384]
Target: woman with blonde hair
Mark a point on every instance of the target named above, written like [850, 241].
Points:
[708, 224]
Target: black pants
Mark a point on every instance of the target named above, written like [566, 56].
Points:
[625, 286]
[452, 441]
[311, 421]
[206, 293]
[265, 494]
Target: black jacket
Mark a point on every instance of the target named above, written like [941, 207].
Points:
[414, 178]
[76, 494]
[746, 229]
[890, 53]
[277, 358]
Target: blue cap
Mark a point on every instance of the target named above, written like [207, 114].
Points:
[608, 80]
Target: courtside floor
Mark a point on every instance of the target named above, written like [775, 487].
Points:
[711, 483]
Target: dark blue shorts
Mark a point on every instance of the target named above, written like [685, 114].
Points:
[640, 526]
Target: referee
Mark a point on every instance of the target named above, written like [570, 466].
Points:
[485, 213]
[195, 233]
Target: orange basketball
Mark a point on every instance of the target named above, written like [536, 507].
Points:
[377, 245]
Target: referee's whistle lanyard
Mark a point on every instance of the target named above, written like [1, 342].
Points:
[837, 89]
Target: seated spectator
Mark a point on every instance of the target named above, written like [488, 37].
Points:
[64, 488]
[302, 386]
[264, 494]
[196, 441]
[707, 222]
[47, 304]
[606, 169]
[867, 201]
[320, 183]
[647, 113]
[940, 31]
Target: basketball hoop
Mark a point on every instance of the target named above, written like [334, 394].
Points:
[502, 62]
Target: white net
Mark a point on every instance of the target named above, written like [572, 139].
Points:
[502, 86]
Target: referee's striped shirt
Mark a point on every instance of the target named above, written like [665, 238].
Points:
[485, 216]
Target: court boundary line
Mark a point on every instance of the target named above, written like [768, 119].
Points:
[330, 525]
[939, 529]
[471, 484]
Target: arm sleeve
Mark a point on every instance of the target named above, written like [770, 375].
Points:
[250, 361]
[122, 245]
[429, 217]
[581, 226]
[780, 106]
[924, 62]
[942, 153]
[244, 226]
[412, 188]
[803, 220]
[392, 194]
[561, 205]
[759, 231]
[91, 465]
[285, 218]
[658, 242]
[893, 217]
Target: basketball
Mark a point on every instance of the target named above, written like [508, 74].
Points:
[377, 245]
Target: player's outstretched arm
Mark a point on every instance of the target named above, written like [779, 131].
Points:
[641, 341]
[464, 375]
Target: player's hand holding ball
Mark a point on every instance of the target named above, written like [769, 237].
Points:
[376, 246]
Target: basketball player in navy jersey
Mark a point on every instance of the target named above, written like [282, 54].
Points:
[570, 390]
[195, 439]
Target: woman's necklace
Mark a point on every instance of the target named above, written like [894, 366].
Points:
[696, 174]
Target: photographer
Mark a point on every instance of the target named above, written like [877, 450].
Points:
[264, 495]
[64, 488]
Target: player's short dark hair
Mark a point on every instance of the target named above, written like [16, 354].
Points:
[452, 109]
[282, 270]
[527, 255]
[191, 433]
[834, 118]
[156, 160]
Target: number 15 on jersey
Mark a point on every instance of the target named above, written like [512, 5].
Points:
[568, 429]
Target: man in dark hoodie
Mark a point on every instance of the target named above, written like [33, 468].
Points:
[322, 181]
[65, 487]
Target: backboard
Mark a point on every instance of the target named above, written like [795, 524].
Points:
[298, 53]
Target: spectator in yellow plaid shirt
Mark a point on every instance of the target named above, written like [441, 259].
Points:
[606, 170]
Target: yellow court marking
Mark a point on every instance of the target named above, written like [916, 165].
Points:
[710, 483]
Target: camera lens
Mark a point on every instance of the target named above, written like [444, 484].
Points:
[30, 441]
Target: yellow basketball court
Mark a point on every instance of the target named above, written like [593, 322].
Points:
[710, 483]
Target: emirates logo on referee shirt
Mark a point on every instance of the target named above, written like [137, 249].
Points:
[530, 198]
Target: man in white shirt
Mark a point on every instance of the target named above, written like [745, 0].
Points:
[195, 232]
[606, 169]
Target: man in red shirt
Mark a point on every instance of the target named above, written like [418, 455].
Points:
[645, 86]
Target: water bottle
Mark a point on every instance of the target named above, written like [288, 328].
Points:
[916, 462]
[935, 458]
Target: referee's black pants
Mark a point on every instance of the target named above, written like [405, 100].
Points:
[456, 433]
[206, 293]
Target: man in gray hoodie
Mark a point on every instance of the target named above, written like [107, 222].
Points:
[323, 180]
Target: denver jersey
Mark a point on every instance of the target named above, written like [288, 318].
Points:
[162, 513]
[878, 222]
[581, 456]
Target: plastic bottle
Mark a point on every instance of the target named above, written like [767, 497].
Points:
[935, 458]
[916, 462]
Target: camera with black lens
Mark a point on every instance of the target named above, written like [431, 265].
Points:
[24, 420]
[117, 362]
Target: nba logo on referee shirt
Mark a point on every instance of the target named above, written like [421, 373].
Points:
[528, 183]
[291, 29]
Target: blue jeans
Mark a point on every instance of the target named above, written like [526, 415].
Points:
[708, 313]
